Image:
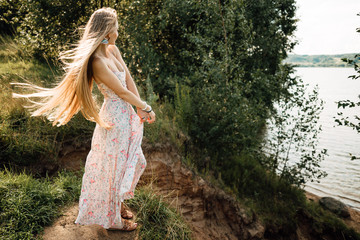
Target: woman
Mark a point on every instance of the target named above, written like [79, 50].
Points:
[115, 161]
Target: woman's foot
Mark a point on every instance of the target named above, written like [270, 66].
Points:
[128, 226]
[126, 213]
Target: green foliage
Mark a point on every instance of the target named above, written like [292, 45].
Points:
[274, 200]
[164, 129]
[158, 220]
[344, 120]
[28, 204]
[273, 23]
[219, 50]
[183, 107]
[218, 63]
[10, 16]
[24, 139]
[47, 27]
[11, 52]
[225, 102]
[273, 30]
[294, 128]
[327, 223]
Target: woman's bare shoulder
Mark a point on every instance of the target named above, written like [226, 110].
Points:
[115, 50]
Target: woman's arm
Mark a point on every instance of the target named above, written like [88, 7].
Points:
[132, 87]
[103, 74]
[129, 80]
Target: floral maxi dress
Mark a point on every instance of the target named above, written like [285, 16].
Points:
[114, 164]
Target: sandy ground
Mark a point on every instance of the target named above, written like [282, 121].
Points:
[65, 228]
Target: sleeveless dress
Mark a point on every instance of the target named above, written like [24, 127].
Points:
[114, 164]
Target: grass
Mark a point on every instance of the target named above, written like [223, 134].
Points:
[28, 204]
[327, 222]
[26, 140]
[158, 220]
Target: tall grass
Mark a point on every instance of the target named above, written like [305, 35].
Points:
[28, 204]
[158, 220]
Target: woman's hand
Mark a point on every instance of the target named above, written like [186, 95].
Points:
[151, 118]
[144, 116]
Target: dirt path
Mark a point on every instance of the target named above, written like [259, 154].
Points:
[65, 228]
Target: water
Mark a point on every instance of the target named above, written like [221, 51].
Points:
[343, 180]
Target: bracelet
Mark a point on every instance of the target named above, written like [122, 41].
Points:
[146, 105]
[148, 110]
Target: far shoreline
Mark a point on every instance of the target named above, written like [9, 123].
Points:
[323, 66]
[321, 60]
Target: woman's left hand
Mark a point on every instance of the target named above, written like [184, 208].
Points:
[142, 114]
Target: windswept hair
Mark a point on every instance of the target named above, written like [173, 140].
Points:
[73, 92]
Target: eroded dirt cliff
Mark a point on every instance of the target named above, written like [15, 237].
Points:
[209, 211]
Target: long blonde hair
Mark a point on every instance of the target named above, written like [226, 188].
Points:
[74, 90]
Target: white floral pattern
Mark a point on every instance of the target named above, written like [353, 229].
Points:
[114, 164]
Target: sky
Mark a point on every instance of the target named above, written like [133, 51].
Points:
[327, 27]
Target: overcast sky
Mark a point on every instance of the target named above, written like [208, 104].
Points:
[327, 27]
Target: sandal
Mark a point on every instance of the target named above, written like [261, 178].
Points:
[126, 214]
[128, 226]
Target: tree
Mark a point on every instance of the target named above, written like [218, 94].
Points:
[294, 129]
[350, 104]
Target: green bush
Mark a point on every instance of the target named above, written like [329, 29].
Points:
[10, 15]
[26, 140]
[47, 27]
[273, 199]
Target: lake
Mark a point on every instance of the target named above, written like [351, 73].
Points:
[343, 180]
